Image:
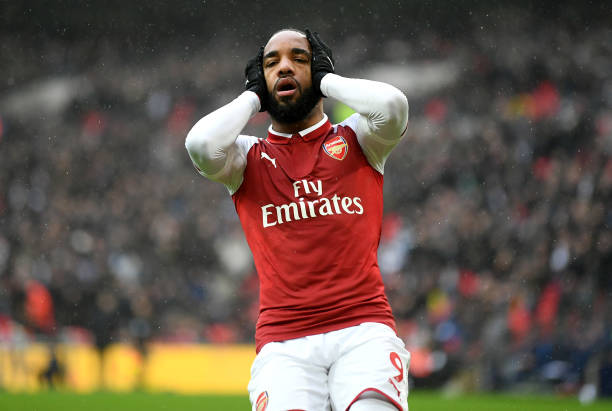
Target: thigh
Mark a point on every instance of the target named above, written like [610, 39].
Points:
[286, 376]
[374, 361]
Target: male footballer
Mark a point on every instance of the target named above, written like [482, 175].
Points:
[310, 201]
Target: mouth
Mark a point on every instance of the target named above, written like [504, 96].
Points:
[286, 87]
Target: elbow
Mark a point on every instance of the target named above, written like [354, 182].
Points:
[397, 108]
[196, 146]
[190, 142]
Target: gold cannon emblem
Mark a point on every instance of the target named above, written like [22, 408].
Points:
[336, 148]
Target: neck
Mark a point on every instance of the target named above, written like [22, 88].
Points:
[311, 119]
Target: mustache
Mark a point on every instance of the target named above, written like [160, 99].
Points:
[297, 83]
[290, 112]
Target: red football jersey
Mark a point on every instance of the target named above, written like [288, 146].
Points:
[311, 208]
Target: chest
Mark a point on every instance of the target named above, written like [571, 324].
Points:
[320, 187]
[331, 163]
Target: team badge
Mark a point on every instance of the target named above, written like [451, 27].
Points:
[336, 147]
[262, 401]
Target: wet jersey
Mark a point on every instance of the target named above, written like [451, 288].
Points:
[311, 208]
[310, 205]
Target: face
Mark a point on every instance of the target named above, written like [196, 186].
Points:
[286, 66]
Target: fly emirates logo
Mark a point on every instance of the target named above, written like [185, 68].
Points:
[301, 209]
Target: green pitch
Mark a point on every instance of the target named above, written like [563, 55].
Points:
[418, 401]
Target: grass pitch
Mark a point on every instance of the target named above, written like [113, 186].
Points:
[418, 401]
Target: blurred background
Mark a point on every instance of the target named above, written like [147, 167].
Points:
[117, 258]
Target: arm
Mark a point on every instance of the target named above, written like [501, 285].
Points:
[382, 115]
[382, 110]
[212, 142]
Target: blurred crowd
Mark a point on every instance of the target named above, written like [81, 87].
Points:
[496, 248]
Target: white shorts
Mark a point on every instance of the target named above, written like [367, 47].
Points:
[331, 371]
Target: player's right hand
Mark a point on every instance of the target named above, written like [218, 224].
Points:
[255, 80]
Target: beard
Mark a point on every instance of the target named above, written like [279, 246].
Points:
[291, 112]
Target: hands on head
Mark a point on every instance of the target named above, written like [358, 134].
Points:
[322, 63]
[255, 80]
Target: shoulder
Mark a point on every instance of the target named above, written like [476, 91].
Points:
[245, 143]
[350, 122]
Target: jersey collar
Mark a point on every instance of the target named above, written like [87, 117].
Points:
[308, 134]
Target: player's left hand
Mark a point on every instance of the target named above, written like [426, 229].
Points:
[322, 59]
[255, 80]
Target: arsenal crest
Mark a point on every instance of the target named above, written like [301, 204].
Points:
[262, 401]
[336, 147]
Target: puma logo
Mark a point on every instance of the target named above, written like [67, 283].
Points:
[267, 157]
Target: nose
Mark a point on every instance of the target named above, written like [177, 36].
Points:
[285, 67]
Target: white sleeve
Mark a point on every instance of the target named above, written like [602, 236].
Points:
[382, 114]
[215, 146]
